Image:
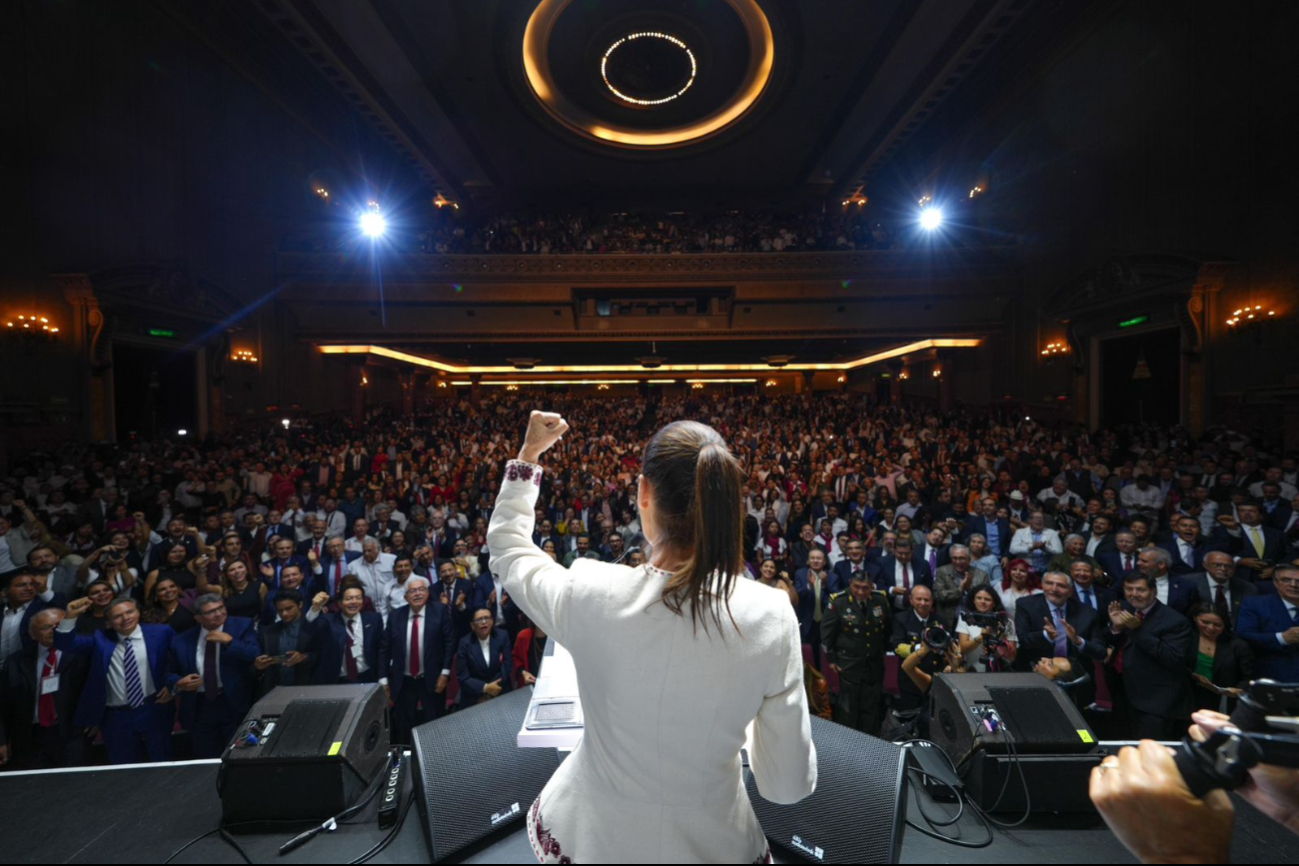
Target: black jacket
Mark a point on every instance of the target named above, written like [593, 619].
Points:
[1154, 661]
[18, 695]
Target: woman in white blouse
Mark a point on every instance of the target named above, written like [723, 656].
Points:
[1018, 582]
[680, 663]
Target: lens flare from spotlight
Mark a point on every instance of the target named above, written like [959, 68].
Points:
[931, 218]
[373, 224]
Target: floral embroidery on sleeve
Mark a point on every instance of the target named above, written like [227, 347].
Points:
[546, 844]
[518, 471]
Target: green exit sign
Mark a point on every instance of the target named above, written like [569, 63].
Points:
[162, 332]
[1135, 320]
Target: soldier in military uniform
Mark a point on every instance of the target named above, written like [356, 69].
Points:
[855, 631]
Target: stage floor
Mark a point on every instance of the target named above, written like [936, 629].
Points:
[143, 813]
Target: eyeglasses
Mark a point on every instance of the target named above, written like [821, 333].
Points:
[483, 619]
[1288, 581]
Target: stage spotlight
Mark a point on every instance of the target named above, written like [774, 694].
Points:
[286, 423]
[373, 223]
[931, 218]
[181, 432]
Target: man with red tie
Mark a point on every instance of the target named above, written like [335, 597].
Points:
[39, 690]
[415, 656]
[349, 639]
[1123, 560]
[331, 568]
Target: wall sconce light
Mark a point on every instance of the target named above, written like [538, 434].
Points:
[1250, 316]
[1056, 347]
[244, 356]
[511, 387]
[925, 199]
[842, 379]
[32, 327]
[697, 386]
[602, 387]
[938, 373]
[903, 376]
[771, 383]
[977, 191]
[442, 384]
[365, 380]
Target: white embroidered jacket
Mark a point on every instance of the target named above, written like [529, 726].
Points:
[656, 778]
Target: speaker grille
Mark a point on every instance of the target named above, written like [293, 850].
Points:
[473, 779]
[855, 814]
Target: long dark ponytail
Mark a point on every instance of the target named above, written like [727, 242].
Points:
[697, 488]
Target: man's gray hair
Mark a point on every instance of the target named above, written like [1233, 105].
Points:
[206, 599]
[1160, 555]
[957, 548]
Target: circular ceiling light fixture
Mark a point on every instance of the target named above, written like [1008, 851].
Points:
[658, 37]
[753, 81]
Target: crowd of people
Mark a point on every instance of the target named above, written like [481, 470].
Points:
[156, 587]
[640, 232]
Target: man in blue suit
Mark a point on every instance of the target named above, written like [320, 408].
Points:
[349, 639]
[484, 660]
[1270, 625]
[896, 575]
[997, 532]
[128, 690]
[1123, 560]
[330, 569]
[214, 662]
[416, 652]
[812, 585]
[281, 558]
[853, 563]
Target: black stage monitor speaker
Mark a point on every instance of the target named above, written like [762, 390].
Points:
[857, 811]
[1039, 715]
[472, 777]
[304, 752]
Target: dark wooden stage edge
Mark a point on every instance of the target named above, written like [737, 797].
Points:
[114, 815]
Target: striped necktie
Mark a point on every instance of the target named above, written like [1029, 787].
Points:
[134, 686]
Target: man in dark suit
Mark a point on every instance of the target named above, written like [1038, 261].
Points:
[935, 553]
[1176, 592]
[456, 594]
[442, 538]
[490, 593]
[41, 683]
[1270, 625]
[996, 531]
[1098, 598]
[1055, 624]
[290, 645]
[1187, 548]
[484, 660]
[1276, 511]
[895, 575]
[282, 556]
[854, 563]
[812, 585]
[25, 596]
[1219, 587]
[129, 687]
[214, 662]
[1100, 540]
[417, 653]
[1151, 644]
[1259, 547]
[330, 569]
[349, 639]
[909, 627]
[1121, 561]
[316, 543]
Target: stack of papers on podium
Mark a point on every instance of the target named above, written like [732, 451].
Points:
[554, 718]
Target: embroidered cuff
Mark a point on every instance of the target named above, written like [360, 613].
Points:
[518, 470]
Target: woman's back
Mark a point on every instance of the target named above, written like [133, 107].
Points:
[667, 704]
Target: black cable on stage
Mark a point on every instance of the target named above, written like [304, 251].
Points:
[1018, 763]
[960, 798]
[340, 818]
[375, 785]
[392, 834]
[234, 843]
